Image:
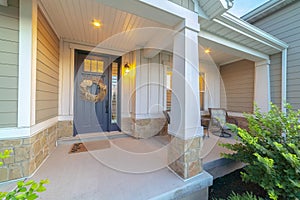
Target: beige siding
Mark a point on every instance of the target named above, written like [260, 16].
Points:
[284, 24]
[189, 4]
[275, 79]
[9, 56]
[47, 71]
[238, 79]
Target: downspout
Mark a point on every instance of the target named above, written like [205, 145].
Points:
[284, 80]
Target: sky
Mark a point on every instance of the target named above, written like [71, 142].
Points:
[241, 7]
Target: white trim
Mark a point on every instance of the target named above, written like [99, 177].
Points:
[65, 118]
[252, 29]
[188, 133]
[232, 61]
[284, 80]
[72, 65]
[33, 61]
[14, 133]
[25, 63]
[60, 81]
[94, 48]
[233, 45]
[43, 125]
[190, 17]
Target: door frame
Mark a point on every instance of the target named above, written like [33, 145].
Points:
[112, 58]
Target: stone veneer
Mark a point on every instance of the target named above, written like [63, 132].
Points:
[29, 153]
[144, 128]
[184, 156]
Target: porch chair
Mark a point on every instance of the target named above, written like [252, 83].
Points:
[218, 120]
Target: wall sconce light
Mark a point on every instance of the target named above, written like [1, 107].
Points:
[127, 68]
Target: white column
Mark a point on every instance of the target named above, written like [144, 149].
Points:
[262, 96]
[185, 110]
[27, 63]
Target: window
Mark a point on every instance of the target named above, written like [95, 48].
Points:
[95, 66]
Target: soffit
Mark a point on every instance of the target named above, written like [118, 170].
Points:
[72, 19]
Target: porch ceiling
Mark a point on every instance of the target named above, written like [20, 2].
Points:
[72, 19]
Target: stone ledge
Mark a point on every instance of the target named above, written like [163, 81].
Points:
[199, 183]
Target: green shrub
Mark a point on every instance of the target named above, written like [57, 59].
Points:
[24, 190]
[271, 150]
[246, 196]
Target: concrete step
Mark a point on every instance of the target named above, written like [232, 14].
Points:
[221, 167]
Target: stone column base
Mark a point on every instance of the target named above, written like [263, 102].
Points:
[184, 156]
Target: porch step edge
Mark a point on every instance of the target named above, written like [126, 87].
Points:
[197, 184]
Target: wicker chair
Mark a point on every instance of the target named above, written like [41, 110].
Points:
[218, 120]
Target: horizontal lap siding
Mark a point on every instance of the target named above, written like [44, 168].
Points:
[9, 61]
[284, 24]
[238, 79]
[47, 71]
[275, 79]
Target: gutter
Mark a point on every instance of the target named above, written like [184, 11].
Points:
[284, 80]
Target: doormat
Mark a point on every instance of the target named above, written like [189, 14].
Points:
[89, 146]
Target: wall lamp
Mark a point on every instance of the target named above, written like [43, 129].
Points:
[127, 68]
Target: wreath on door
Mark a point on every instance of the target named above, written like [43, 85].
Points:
[85, 89]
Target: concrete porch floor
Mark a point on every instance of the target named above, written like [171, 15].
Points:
[128, 169]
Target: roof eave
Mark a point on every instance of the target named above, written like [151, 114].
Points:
[250, 30]
[265, 9]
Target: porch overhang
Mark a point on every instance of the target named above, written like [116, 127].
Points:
[240, 35]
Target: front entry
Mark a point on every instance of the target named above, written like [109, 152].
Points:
[96, 93]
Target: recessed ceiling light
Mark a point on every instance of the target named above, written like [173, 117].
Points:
[96, 23]
[207, 51]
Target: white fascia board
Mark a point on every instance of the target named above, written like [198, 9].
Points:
[233, 45]
[191, 18]
[249, 30]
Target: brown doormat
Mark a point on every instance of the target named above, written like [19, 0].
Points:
[89, 146]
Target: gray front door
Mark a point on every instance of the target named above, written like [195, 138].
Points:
[92, 93]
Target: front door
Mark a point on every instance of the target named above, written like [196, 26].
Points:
[95, 92]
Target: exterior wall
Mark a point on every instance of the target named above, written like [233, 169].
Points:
[276, 24]
[238, 80]
[9, 56]
[275, 79]
[47, 71]
[189, 4]
[144, 94]
[27, 153]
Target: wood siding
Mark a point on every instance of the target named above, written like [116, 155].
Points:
[189, 4]
[9, 61]
[238, 79]
[284, 24]
[275, 79]
[47, 71]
